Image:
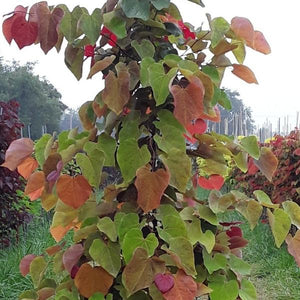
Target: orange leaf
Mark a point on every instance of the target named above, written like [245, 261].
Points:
[244, 73]
[267, 162]
[26, 168]
[150, 187]
[73, 191]
[35, 185]
[59, 232]
[53, 250]
[17, 152]
[260, 43]
[89, 280]
[294, 246]
[185, 288]
[116, 92]
[188, 101]
[45, 293]
[98, 109]
[243, 28]
[101, 65]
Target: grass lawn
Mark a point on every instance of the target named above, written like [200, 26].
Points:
[274, 272]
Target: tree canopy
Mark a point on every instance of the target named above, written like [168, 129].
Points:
[39, 100]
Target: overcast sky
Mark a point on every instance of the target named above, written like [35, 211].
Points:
[276, 95]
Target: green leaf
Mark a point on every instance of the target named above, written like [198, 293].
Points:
[37, 269]
[128, 162]
[247, 290]
[126, 223]
[224, 100]
[172, 60]
[250, 145]
[184, 250]
[107, 226]
[241, 160]
[188, 65]
[107, 255]
[238, 265]
[240, 51]
[91, 166]
[280, 223]
[144, 49]
[91, 25]
[68, 25]
[195, 235]
[180, 168]
[115, 23]
[293, 210]
[108, 145]
[160, 81]
[29, 295]
[197, 2]
[213, 73]
[97, 296]
[74, 60]
[171, 132]
[136, 9]
[144, 74]
[207, 214]
[219, 26]
[251, 210]
[224, 290]
[39, 148]
[264, 199]
[160, 4]
[214, 262]
[134, 239]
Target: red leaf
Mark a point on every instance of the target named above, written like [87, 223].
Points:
[188, 101]
[7, 24]
[294, 246]
[25, 264]
[260, 43]
[111, 38]
[297, 152]
[252, 168]
[164, 282]
[35, 185]
[234, 231]
[243, 28]
[24, 33]
[237, 242]
[73, 191]
[26, 168]
[17, 152]
[214, 182]
[71, 256]
[150, 187]
[199, 127]
[89, 50]
[48, 22]
[185, 288]
[244, 73]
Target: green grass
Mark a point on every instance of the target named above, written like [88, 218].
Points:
[33, 240]
[274, 271]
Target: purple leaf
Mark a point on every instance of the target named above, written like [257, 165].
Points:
[164, 282]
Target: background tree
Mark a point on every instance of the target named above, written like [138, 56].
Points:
[39, 100]
[240, 116]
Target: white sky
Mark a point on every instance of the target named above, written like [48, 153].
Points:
[276, 95]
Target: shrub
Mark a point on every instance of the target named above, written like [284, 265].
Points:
[285, 184]
[12, 210]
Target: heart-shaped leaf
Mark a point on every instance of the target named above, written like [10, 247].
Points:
[164, 282]
[73, 191]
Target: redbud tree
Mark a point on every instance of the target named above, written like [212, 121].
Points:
[148, 235]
